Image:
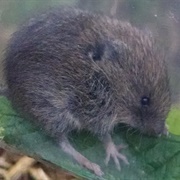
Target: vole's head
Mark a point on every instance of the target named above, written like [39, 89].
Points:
[138, 78]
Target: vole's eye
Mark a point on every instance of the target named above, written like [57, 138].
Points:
[145, 101]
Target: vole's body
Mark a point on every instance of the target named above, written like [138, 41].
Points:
[71, 70]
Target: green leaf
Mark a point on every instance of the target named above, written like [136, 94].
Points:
[150, 158]
[173, 121]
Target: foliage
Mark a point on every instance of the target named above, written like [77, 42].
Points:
[173, 121]
[150, 158]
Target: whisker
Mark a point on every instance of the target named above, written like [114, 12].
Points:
[134, 131]
[140, 142]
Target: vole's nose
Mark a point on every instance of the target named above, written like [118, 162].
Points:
[165, 131]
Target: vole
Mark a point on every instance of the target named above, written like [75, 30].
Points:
[70, 69]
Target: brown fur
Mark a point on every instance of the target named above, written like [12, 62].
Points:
[69, 69]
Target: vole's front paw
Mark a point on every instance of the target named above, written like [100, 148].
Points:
[113, 151]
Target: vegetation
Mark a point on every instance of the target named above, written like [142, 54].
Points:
[150, 158]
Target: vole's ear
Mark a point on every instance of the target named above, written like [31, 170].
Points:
[115, 50]
[96, 51]
[107, 50]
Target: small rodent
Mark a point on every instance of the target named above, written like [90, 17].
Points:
[69, 69]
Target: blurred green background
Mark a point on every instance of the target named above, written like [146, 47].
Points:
[161, 17]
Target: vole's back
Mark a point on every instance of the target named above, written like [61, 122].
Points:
[48, 68]
[70, 69]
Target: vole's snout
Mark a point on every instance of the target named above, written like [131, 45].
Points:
[165, 131]
[159, 131]
[155, 129]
